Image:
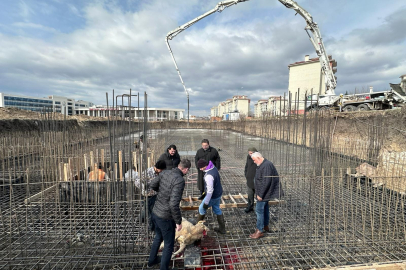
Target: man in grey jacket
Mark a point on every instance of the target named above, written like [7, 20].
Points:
[267, 187]
[166, 214]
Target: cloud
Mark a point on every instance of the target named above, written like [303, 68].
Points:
[25, 10]
[246, 49]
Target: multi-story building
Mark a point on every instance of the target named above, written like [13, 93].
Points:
[58, 104]
[261, 108]
[307, 76]
[240, 104]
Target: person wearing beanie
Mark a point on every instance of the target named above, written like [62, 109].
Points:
[171, 157]
[214, 191]
[207, 153]
[249, 172]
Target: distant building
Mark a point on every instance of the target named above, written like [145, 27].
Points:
[237, 104]
[307, 76]
[153, 114]
[261, 108]
[57, 104]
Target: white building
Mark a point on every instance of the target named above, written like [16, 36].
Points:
[307, 76]
[260, 108]
[153, 114]
[239, 104]
[57, 104]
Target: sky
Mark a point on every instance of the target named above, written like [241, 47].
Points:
[84, 48]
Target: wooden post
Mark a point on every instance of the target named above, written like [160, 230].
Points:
[135, 160]
[120, 164]
[91, 157]
[65, 171]
[95, 172]
[102, 158]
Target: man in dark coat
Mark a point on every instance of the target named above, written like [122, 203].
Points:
[171, 157]
[267, 187]
[207, 153]
[166, 214]
[249, 172]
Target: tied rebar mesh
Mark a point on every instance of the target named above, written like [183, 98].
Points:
[52, 217]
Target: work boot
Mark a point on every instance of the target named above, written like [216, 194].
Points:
[250, 206]
[257, 234]
[248, 209]
[200, 217]
[222, 224]
[201, 197]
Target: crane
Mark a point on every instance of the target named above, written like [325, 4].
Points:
[311, 28]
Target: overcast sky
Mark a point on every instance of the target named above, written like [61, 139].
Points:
[83, 49]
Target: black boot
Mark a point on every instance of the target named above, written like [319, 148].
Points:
[250, 207]
[201, 197]
[222, 224]
[200, 217]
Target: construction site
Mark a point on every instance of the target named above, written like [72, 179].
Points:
[343, 176]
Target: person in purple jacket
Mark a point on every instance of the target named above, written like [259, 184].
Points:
[267, 187]
[213, 190]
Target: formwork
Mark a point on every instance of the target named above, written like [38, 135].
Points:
[52, 217]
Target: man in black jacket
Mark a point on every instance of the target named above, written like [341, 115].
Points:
[207, 153]
[267, 187]
[249, 172]
[171, 157]
[166, 214]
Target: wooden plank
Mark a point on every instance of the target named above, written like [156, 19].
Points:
[39, 194]
[242, 197]
[231, 197]
[233, 204]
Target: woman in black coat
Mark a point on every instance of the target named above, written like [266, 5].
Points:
[171, 157]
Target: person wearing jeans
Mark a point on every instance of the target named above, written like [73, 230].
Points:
[166, 214]
[164, 231]
[267, 187]
[214, 191]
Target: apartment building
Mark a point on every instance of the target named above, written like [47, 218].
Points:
[307, 76]
[239, 104]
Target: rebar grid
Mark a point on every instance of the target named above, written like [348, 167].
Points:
[328, 217]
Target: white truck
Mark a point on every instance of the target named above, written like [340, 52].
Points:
[382, 100]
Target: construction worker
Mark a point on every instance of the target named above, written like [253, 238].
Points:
[98, 174]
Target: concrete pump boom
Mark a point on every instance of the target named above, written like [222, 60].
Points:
[315, 38]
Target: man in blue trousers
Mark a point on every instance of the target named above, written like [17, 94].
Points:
[267, 187]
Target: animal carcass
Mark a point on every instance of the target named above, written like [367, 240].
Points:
[188, 234]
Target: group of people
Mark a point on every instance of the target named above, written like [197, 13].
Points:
[262, 184]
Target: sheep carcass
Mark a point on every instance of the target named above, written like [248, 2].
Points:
[188, 234]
